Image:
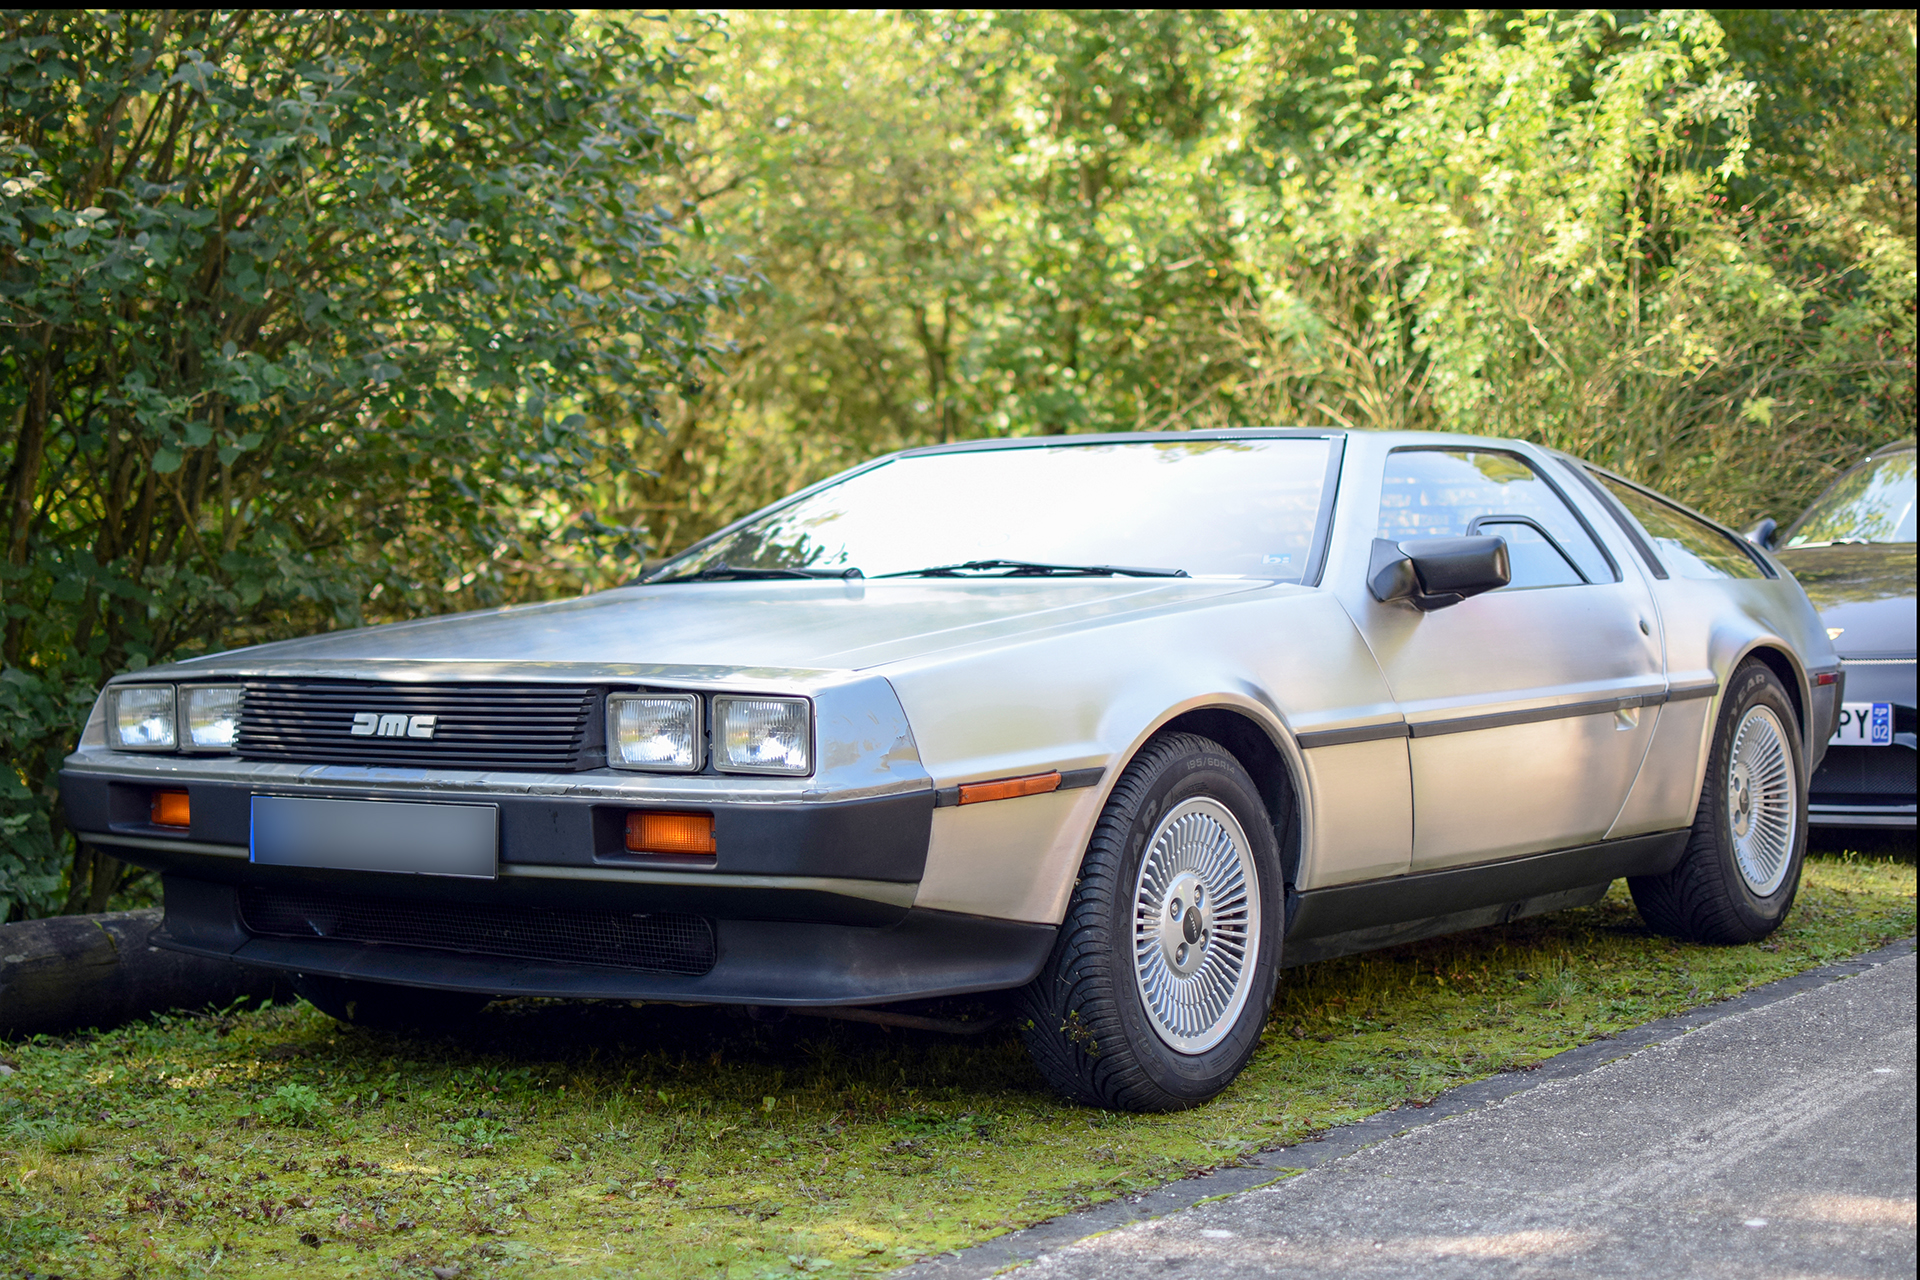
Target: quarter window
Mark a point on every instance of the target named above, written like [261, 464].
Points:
[1453, 493]
[1691, 547]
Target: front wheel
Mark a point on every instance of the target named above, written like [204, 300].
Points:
[1741, 871]
[1160, 981]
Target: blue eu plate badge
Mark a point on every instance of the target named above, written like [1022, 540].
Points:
[1865, 724]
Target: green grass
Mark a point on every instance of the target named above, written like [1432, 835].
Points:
[560, 1139]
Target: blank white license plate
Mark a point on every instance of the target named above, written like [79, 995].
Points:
[1865, 724]
[376, 835]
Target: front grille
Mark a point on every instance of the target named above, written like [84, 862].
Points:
[660, 942]
[1864, 771]
[536, 727]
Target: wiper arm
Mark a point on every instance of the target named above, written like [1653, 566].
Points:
[724, 572]
[1034, 569]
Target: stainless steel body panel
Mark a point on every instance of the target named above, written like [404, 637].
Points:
[1363, 824]
[1706, 628]
[1066, 700]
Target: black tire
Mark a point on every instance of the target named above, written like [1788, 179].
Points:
[382, 1006]
[1084, 1018]
[1708, 897]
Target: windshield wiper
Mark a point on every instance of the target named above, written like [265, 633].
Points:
[724, 572]
[1034, 569]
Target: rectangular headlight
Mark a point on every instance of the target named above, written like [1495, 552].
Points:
[212, 713]
[140, 717]
[762, 735]
[658, 731]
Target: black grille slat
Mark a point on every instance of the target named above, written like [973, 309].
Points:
[479, 726]
[659, 942]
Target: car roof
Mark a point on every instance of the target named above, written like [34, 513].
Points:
[1212, 433]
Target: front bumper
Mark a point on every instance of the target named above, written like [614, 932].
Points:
[793, 963]
[804, 902]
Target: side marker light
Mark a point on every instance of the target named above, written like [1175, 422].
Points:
[1007, 788]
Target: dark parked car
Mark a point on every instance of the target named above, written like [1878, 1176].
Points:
[1853, 551]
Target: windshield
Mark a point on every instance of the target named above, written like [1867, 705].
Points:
[1242, 507]
[1871, 503]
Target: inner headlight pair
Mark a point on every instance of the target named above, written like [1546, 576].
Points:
[165, 717]
[661, 732]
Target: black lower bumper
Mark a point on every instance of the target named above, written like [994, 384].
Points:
[1859, 786]
[768, 962]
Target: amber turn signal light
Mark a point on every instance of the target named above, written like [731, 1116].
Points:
[1007, 788]
[170, 809]
[675, 833]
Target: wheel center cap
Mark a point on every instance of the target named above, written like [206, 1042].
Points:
[1740, 800]
[1186, 922]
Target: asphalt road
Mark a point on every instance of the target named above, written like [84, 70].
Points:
[1773, 1141]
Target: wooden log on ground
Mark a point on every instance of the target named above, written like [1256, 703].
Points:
[73, 972]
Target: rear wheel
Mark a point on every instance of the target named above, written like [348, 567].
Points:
[1740, 873]
[386, 1007]
[1160, 981]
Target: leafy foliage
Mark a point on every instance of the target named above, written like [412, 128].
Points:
[327, 317]
[1681, 244]
[305, 311]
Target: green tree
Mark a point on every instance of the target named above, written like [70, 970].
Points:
[1533, 230]
[1679, 247]
[308, 317]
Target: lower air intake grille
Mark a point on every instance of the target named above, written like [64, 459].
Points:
[661, 942]
[526, 727]
[1864, 771]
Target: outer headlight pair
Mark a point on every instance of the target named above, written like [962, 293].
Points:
[661, 732]
[165, 717]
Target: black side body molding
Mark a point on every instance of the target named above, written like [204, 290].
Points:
[1341, 737]
[1501, 719]
[1346, 918]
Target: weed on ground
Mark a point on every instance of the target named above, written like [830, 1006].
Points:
[600, 1139]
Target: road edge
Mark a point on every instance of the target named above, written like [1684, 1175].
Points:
[1016, 1248]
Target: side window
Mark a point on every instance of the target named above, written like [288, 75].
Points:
[1691, 548]
[1452, 493]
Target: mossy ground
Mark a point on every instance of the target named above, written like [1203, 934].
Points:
[559, 1139]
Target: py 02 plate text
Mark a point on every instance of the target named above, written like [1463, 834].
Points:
[1865, 724]
[376, 835]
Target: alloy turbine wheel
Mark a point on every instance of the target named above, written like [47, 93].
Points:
[1196, 925]
[1762, 800]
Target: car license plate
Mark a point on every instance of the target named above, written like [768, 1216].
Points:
[376, 835]
[1865, 724]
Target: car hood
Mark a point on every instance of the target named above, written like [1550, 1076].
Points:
[712, 629]
[1864, 593]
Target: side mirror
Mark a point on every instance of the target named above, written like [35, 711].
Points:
[1432, 573]
[1761, 534]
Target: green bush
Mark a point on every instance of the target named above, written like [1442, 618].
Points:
[312, 318]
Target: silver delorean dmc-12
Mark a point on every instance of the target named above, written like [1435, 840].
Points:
[1122, 724]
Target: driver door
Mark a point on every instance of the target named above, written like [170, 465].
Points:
[1521, 703]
